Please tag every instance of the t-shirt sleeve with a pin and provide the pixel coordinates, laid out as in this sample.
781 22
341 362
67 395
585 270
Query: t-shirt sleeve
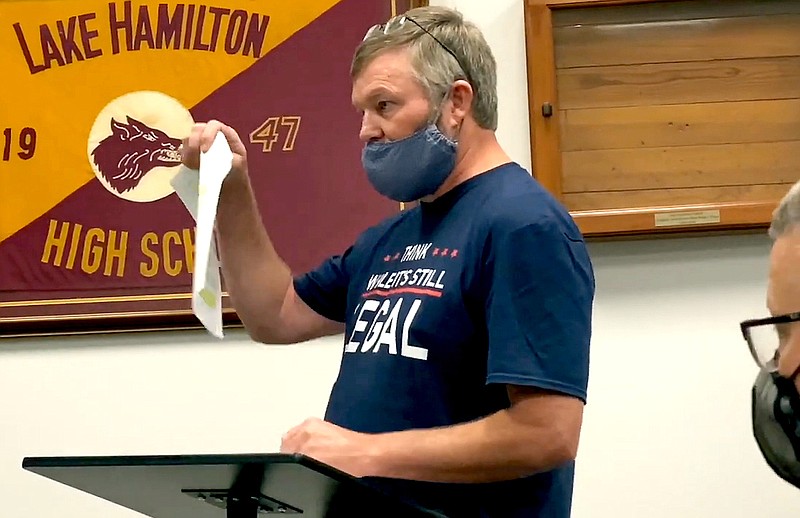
324 289
538 308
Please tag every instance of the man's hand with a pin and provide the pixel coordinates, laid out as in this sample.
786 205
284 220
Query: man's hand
202 137
343 449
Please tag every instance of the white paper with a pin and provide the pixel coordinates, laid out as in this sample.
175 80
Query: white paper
199 191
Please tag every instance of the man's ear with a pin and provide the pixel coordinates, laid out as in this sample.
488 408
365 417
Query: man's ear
461 96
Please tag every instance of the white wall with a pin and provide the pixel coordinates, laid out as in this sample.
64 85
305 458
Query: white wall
666 433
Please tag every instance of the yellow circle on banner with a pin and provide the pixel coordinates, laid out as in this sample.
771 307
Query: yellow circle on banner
133 145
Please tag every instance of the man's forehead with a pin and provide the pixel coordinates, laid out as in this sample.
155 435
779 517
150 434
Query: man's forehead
390 69
395 60
784 273
787 246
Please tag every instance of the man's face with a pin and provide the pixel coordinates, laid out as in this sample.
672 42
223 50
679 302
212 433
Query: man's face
393 103
783 296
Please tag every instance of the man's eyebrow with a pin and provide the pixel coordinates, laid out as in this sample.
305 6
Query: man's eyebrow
373 94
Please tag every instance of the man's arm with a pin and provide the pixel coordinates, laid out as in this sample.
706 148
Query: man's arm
258 280
538 432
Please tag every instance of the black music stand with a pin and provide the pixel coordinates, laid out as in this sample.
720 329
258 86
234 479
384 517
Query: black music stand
224 486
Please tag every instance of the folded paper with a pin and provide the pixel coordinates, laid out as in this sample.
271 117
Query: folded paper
199 191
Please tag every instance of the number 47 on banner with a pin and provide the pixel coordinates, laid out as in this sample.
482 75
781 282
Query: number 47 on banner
270 130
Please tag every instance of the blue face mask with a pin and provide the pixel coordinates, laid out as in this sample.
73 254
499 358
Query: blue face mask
410 168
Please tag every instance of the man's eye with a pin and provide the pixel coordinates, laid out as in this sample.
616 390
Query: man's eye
383 106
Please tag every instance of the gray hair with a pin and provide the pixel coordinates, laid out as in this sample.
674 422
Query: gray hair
435 68
787 215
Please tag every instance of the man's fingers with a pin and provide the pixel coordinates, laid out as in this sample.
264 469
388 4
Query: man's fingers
190 148
293 440
202 137
209 133
290 436
286 447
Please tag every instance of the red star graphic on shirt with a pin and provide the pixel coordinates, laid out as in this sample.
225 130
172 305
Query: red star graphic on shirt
435 251
444 252
396 256
454 253
387 258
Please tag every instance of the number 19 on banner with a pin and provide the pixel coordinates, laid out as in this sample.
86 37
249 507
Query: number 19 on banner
22 142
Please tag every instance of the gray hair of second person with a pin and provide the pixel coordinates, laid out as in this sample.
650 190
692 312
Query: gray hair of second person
787 215
434 67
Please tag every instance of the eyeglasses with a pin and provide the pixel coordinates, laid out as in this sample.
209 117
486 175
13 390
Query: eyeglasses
766 336
398 21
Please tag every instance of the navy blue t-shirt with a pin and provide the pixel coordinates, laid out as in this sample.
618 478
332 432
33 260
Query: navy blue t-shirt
446 303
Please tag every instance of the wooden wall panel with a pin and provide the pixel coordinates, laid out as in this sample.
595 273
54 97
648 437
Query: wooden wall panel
672 197
644 112
633 12
679 83
587 45
680 125
681 167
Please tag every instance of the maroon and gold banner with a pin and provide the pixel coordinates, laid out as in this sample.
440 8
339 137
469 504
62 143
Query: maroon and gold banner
96 99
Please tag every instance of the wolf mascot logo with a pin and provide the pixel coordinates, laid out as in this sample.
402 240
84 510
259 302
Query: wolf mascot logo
133 145
131 151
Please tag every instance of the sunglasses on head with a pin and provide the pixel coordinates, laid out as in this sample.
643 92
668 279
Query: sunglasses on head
397 22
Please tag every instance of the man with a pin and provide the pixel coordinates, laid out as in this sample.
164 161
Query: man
775 345
466 319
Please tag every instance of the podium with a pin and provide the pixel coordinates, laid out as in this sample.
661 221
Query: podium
225 486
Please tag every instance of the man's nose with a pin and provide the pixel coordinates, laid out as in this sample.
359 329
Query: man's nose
369 130
789 359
